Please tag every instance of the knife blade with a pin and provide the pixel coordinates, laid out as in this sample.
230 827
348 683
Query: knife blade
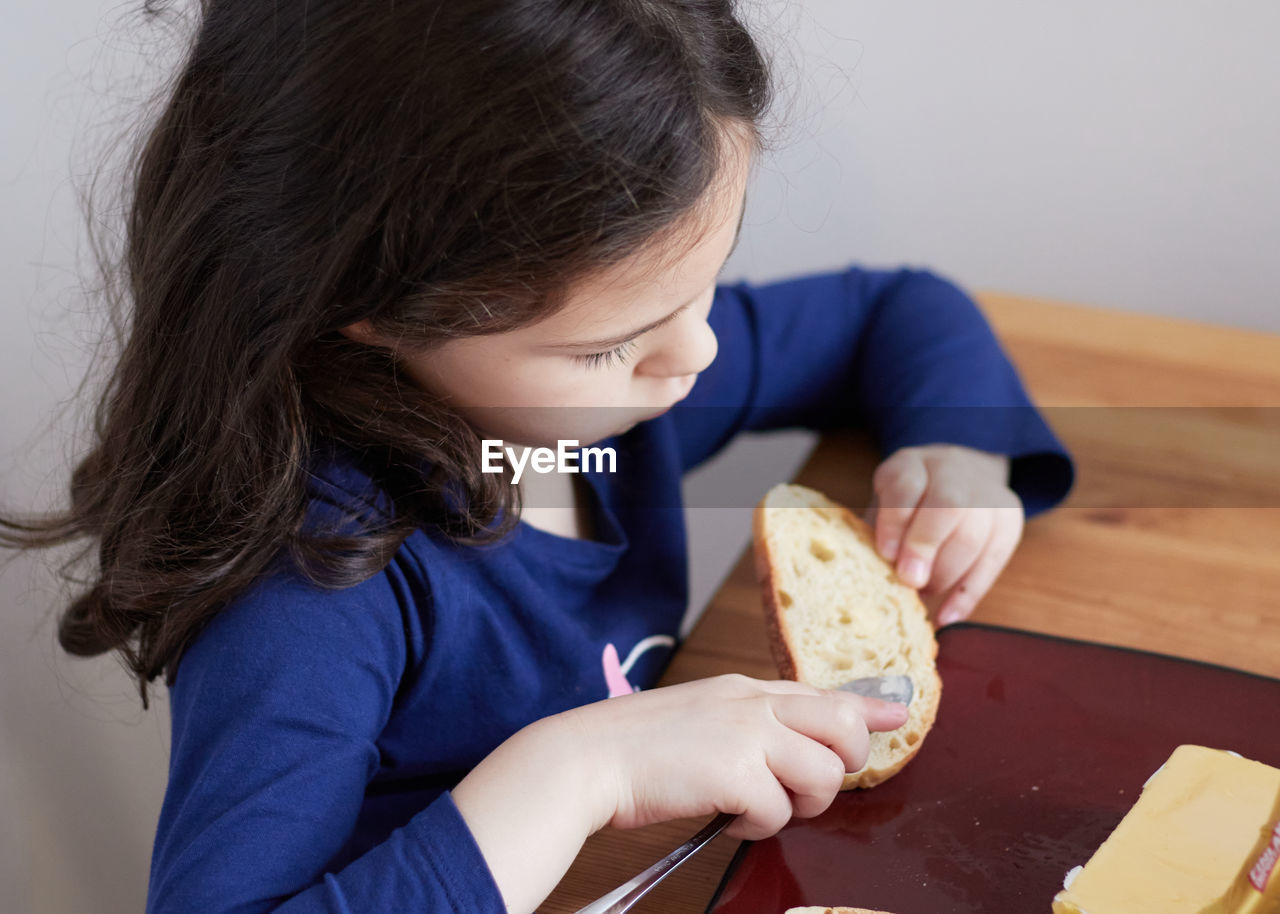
895 687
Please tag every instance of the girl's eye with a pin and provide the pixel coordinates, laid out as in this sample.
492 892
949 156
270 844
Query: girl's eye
618 355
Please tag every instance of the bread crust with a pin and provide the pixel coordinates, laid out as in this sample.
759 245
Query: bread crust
784 652
779 644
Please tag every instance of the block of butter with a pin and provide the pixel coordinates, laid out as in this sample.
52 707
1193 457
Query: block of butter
1189 843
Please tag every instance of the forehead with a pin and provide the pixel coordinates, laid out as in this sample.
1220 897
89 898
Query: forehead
660 276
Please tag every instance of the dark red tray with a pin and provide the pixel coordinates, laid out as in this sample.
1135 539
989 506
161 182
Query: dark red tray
1041 746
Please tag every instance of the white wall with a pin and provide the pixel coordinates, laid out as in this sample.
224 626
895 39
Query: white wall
82 769
1117 153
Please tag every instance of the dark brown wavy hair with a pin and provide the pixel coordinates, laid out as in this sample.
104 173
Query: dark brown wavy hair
440 168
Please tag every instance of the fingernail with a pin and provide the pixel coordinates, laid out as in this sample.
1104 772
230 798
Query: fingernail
914 572
890 550
947 616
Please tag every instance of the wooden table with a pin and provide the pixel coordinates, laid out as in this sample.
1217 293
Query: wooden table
1169 542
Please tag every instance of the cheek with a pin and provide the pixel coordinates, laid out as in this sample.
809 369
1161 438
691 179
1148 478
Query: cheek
557 382
516 381
480 379
560 382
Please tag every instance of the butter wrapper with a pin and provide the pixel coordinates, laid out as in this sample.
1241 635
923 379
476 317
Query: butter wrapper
1257 889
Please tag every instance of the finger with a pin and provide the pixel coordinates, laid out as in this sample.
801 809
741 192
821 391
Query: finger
811 773
940 511
880 715
747 687
876 713
961 550
737 685
973 586
763 808
930 527
899 483
933 603
869 708
834 719
869 515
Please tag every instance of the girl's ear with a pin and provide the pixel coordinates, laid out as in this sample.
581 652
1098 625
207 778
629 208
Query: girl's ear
362 332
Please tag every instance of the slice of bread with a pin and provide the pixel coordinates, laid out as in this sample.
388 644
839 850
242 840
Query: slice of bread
835 610
822 910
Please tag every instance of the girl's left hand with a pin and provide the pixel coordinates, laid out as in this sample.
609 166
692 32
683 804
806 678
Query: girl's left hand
946 517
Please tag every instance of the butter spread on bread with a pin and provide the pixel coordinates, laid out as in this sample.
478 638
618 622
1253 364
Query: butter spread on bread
835 610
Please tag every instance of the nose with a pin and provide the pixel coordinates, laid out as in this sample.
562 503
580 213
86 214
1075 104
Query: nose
686 346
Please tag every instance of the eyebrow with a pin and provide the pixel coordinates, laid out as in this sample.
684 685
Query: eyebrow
596 345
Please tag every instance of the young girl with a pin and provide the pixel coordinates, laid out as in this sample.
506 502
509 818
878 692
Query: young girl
368 238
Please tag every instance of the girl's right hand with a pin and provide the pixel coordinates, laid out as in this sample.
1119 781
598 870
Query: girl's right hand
764 750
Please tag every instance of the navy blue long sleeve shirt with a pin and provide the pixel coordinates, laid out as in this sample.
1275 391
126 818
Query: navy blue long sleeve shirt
317 733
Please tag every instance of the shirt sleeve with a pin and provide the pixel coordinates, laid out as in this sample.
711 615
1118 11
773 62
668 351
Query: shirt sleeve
276 709
904 353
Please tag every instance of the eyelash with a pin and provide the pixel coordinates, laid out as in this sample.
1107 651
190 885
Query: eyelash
619 354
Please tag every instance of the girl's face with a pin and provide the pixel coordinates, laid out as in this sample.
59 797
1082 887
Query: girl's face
627 346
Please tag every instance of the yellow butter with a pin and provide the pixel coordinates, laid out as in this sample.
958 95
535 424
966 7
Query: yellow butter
1183 843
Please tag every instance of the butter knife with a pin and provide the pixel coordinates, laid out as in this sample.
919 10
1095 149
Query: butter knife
894 687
